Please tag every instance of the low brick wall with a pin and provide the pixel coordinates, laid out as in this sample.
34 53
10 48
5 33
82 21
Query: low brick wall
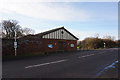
7 47
34 44
25 46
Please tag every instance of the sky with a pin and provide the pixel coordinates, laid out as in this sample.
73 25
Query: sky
83 19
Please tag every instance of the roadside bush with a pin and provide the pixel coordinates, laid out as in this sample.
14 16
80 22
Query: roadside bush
97 43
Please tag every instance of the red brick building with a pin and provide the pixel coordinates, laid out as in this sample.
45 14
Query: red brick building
59 39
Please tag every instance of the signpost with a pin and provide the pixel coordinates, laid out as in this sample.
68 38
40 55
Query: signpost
15 43
104 44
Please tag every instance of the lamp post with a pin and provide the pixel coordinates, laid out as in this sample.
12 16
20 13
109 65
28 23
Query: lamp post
15 43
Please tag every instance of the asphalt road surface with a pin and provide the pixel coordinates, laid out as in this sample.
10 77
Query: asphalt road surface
83 64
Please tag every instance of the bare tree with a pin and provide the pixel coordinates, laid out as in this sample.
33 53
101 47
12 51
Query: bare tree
109 37
27 31
97 35
2 34
9 27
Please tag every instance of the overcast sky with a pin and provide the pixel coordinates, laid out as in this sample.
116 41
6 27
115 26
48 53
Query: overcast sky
83 19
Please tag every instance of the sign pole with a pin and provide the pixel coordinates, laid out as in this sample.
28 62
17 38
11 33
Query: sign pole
104 45
15 43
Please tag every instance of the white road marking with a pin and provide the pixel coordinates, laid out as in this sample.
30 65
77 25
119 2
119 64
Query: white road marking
86 55
79 57
37 65
92 54
102 52
83 56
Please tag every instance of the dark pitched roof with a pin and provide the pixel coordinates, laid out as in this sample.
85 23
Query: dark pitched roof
47 32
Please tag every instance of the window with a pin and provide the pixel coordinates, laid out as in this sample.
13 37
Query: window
72 45
65 44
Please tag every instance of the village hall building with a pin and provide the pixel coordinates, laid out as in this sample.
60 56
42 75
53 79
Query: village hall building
59 39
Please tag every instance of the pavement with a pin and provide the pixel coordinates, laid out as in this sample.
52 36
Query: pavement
111 71
81 64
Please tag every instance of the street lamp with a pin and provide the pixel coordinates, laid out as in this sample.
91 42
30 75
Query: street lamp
15 43
104 44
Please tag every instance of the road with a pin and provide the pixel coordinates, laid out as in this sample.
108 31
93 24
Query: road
83 64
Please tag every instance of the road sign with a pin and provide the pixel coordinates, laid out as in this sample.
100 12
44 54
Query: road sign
104 44
15 44
50 45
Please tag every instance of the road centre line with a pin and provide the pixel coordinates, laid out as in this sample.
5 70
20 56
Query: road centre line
37 65
86 55
101 52
92 54
83 56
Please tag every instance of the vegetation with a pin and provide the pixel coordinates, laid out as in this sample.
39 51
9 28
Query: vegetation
10 26
98 43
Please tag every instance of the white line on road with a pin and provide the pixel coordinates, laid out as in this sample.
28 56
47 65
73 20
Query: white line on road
79 57
92 54
83 56
37 65
86 55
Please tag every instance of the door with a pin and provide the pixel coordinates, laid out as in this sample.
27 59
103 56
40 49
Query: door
60 46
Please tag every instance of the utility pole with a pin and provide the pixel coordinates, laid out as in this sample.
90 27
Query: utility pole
15 43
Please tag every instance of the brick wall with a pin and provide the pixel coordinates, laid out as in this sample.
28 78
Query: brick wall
34 44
